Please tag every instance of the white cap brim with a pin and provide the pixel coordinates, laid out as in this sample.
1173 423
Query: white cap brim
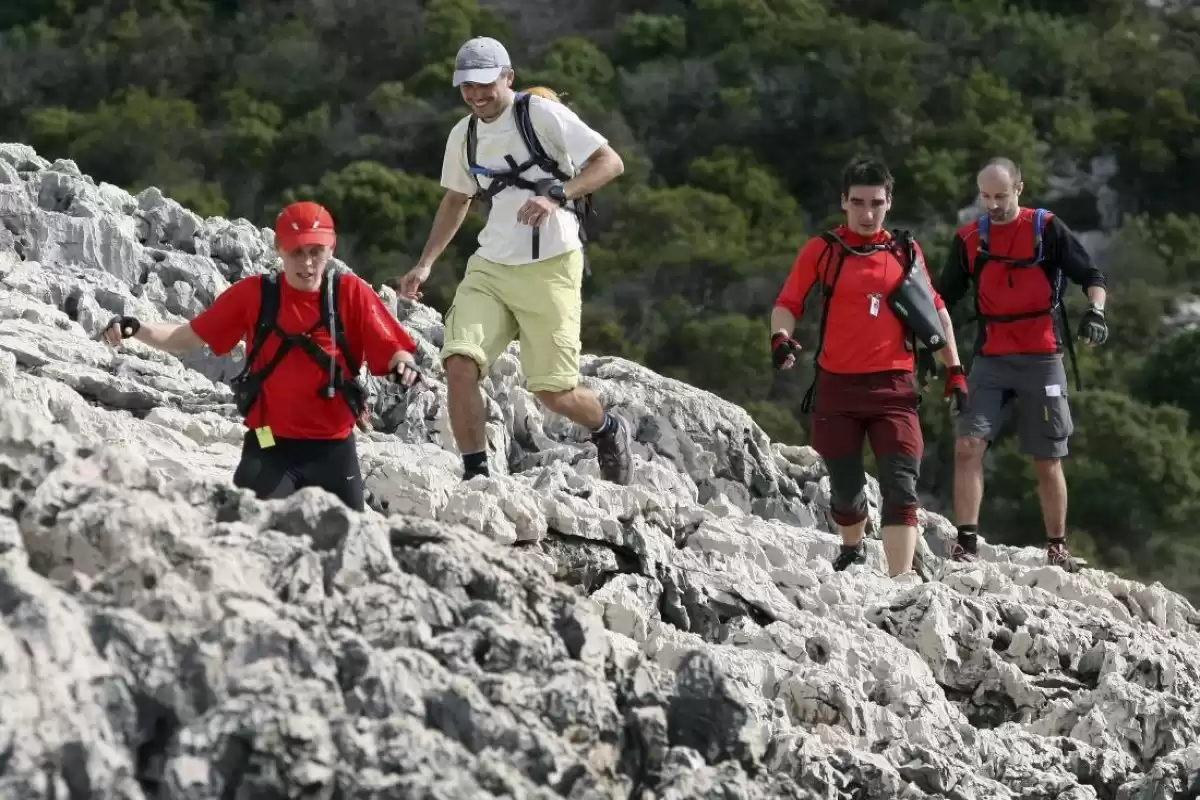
485 75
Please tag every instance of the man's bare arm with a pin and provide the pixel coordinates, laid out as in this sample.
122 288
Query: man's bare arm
169 337
604 166
782 321
949 353
449 218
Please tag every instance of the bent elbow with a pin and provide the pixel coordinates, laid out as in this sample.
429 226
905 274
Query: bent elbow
455 200
618 164
184 339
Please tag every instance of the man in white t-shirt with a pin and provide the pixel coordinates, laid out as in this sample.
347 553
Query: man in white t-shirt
525 279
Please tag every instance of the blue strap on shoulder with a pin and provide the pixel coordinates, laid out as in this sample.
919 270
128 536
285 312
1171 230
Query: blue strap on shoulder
1039 225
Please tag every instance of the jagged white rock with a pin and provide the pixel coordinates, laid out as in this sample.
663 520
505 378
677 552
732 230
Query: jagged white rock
538 634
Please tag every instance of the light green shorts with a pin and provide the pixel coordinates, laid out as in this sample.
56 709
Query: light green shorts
538 304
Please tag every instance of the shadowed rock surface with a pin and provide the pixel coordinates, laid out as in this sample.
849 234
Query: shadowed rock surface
534 635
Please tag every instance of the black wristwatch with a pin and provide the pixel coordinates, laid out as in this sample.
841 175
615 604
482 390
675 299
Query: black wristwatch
555 191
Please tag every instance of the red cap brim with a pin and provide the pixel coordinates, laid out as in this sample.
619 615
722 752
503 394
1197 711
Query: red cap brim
304 238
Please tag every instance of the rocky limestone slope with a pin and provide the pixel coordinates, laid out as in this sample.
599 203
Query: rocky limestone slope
539 634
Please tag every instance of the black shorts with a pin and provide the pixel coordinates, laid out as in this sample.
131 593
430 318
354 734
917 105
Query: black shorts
292 464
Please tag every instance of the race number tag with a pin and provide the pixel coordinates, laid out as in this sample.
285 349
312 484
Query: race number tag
875 303
265 437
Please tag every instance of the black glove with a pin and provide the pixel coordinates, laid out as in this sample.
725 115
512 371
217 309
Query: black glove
129 325
1092 327
405 373
783 346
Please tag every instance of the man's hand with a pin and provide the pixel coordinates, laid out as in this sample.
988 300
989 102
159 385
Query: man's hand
410 284
119 328
956 388
784 350
1093 330
536 211
403 370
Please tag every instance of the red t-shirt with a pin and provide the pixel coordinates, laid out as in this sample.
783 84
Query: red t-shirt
862 334
289 401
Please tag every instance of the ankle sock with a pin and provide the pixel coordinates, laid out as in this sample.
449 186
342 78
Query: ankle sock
1060 541
475 463
606 427
966 537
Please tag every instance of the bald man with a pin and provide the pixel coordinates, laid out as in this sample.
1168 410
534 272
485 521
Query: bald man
1017 277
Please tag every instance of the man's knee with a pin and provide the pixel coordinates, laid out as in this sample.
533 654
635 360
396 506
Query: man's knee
462 368
1047 468
847 489
555 400
898 489
969 449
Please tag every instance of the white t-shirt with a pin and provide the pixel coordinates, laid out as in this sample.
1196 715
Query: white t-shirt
564 137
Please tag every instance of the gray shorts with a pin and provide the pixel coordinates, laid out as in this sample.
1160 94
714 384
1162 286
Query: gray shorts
1038 386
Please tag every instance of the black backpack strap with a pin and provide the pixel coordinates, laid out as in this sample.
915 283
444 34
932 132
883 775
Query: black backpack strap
530 138
247 384
581 207
331 320
329 313
473 150
512 177
339 381
268 311
831 241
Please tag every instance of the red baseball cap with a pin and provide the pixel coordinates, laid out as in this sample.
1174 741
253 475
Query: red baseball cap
304 223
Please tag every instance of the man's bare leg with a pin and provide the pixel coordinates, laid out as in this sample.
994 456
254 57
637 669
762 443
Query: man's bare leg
610 433
580 405
468 421
899 547
1052 491
852 535
968 479
968 495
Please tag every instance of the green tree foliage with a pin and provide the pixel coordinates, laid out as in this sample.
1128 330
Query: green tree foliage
734 118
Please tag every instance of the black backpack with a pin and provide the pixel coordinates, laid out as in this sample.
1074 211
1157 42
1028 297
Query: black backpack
247 385
581 207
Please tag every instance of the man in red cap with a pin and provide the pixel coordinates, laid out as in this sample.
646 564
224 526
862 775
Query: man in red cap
308 329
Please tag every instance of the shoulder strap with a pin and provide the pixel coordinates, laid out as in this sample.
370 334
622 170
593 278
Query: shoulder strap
529 136
906 246
331 319
268 311
831 241
1039 226
473 149
984 224
472 142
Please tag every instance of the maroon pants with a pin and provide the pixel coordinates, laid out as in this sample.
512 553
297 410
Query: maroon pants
880 407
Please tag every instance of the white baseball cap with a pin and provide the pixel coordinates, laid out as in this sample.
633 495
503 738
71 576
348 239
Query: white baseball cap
480 60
